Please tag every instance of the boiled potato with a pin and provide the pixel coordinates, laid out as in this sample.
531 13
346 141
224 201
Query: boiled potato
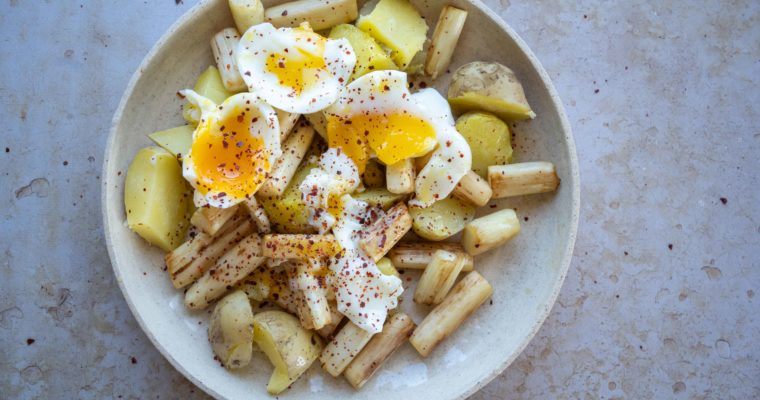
175 140
374 175
379 198
288 213
157 198
230 330
369 55
489 139
441 220
488 86
397 25
209 84
291 348
385 265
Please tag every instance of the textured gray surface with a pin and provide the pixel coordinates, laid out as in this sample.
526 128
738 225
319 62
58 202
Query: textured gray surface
659 301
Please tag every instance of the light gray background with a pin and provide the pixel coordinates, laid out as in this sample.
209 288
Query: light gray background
663 97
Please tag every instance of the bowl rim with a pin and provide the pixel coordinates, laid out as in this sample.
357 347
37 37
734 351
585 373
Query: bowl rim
574 172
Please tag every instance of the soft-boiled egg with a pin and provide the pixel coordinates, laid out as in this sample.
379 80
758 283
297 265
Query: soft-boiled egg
377 116
363 293
233 148
294 69
451 160
323 188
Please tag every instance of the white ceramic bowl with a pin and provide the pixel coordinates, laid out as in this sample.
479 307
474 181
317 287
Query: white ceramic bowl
526 274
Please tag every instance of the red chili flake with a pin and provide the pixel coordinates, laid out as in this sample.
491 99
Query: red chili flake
134 360
724 200
670 246
29 341
65 163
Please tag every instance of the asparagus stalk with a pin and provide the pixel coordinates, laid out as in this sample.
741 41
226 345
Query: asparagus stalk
522 178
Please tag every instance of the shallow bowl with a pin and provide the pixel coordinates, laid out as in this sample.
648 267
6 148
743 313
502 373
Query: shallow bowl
526 274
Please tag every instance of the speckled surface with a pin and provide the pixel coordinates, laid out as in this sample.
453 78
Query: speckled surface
660 298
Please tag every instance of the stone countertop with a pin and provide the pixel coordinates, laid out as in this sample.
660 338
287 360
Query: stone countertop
660 298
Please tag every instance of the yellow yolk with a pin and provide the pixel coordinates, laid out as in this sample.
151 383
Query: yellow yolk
335 206
227 158
393 137
296 68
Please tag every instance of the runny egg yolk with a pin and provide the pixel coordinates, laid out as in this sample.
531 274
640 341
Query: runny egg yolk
393 137
227 158
297 68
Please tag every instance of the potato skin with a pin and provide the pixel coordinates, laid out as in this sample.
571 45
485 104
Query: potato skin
441 220
230 330
157 198
489 139
488 86
291 348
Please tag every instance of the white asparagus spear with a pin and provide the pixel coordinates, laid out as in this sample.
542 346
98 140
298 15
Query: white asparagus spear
438 278
464 299
293 151
399 177
300 246
473 189
320 14
211 219
246 13
384 233
336 318
224 46
395 332
258 215
210 255
310 280
485 233
418 255
229 270
192 248
444 41
319 122
343 348
287 122
522 178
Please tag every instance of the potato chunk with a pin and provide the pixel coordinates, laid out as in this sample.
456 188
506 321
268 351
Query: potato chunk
230 330
157 198
369 55
291 348
489 139
175 140
210 85
488 86
441 220
379 198
397 25
288 213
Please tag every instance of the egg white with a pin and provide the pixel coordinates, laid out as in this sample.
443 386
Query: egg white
266 128
264 40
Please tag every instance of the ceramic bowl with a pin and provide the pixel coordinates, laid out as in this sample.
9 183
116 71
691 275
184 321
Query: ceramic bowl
526 273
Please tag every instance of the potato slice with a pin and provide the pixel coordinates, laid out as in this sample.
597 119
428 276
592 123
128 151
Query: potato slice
379 198
291 348
288 213
174 140
369 55
157 198
488 86
489 139
397 25
230 330
441 220
209 85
